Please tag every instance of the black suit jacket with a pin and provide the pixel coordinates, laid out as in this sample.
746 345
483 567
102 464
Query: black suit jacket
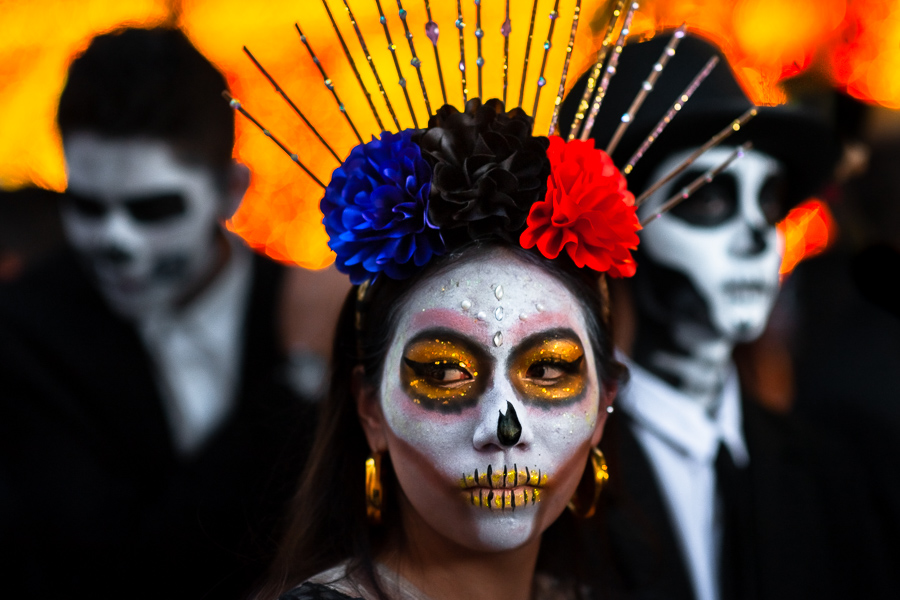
814 537
93 497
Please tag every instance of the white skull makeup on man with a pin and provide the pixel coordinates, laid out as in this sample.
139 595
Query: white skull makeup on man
145 222
710 267
695 455
724 238
490 397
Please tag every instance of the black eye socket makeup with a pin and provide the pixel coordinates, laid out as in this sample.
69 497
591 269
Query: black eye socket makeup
157 208
548 368
443 372
773 199
711 205
85 206
144 209
717 201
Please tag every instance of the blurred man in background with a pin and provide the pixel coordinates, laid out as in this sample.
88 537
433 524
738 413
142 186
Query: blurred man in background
710 497
144 415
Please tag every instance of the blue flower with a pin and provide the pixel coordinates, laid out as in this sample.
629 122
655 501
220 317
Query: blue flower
375 210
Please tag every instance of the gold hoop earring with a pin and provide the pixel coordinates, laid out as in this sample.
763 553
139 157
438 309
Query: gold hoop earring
584 503
374 493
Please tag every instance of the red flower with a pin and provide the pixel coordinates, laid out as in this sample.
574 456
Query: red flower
587 210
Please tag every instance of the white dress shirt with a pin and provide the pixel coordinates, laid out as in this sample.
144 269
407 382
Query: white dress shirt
198 351
682 441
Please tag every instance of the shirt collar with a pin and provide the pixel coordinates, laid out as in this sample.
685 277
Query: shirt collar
217 312
198 351
680 421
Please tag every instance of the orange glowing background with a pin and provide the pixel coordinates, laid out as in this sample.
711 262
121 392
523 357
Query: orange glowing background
858 42
279 215
765 40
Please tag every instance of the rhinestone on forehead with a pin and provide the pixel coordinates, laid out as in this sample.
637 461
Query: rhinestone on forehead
498 339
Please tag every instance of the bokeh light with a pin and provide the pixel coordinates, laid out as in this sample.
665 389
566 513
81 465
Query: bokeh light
279 215
865 57
765 40
808 230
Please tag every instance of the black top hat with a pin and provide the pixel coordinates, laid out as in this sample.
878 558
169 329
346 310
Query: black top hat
799 138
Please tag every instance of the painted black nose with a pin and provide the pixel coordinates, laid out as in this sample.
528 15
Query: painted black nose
509 430
114 255
758 243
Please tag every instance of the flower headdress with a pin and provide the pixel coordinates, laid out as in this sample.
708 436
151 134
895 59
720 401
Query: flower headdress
403 198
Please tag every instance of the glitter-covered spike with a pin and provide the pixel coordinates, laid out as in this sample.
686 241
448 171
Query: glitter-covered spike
460 26
554 118
646 87
236 105
594 76
353 65
479 33
697 183
670 114
415 62
712 143
505 30
527 52
393 49
554 15
365 50
608 74
328 83
432 32
291 104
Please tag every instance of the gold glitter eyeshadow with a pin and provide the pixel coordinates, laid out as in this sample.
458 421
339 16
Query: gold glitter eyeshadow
440 374
550 371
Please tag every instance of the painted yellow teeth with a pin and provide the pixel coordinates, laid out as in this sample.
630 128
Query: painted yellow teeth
506 489
504 499
507 478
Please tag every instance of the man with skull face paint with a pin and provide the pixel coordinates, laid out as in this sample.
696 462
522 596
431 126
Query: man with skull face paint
710 498
139 369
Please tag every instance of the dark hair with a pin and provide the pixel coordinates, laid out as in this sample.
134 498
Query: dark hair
327 524
150 83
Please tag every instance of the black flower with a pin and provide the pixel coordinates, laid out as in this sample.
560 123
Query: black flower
488 171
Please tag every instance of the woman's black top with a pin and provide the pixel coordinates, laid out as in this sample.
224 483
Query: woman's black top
315 591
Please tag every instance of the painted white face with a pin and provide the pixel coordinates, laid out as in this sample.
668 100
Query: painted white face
491 398
144 221
723 238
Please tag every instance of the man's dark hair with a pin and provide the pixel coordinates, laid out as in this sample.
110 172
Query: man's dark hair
150 83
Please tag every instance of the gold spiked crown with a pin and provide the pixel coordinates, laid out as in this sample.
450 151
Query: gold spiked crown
478 173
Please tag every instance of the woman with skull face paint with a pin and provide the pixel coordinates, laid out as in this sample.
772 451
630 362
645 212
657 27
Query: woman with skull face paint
473 361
